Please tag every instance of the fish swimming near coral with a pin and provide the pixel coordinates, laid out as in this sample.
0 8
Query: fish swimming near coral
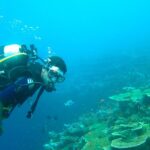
69 103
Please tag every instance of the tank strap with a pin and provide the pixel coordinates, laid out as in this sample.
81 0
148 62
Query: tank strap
12 56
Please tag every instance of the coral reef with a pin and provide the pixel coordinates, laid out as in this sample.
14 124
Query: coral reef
122 123
130 136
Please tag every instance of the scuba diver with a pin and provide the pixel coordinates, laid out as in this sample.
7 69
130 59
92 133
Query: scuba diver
22 73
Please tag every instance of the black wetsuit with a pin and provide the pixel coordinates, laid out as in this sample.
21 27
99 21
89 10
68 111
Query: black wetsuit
34 74
17 92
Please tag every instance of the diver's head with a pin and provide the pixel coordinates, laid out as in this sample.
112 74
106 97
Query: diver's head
53 72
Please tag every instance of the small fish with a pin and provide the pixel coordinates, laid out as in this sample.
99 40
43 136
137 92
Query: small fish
37 37
52 117
69 103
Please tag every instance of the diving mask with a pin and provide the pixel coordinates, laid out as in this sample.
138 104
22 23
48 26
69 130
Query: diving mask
56 74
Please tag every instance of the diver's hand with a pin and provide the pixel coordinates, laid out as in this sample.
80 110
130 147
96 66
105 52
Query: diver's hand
50 87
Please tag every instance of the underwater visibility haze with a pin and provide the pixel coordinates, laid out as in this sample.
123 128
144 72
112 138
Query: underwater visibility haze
106 46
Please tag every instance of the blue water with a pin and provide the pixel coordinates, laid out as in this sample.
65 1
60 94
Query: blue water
100 40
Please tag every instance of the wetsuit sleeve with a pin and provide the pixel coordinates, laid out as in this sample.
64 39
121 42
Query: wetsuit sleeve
24 90
16 93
